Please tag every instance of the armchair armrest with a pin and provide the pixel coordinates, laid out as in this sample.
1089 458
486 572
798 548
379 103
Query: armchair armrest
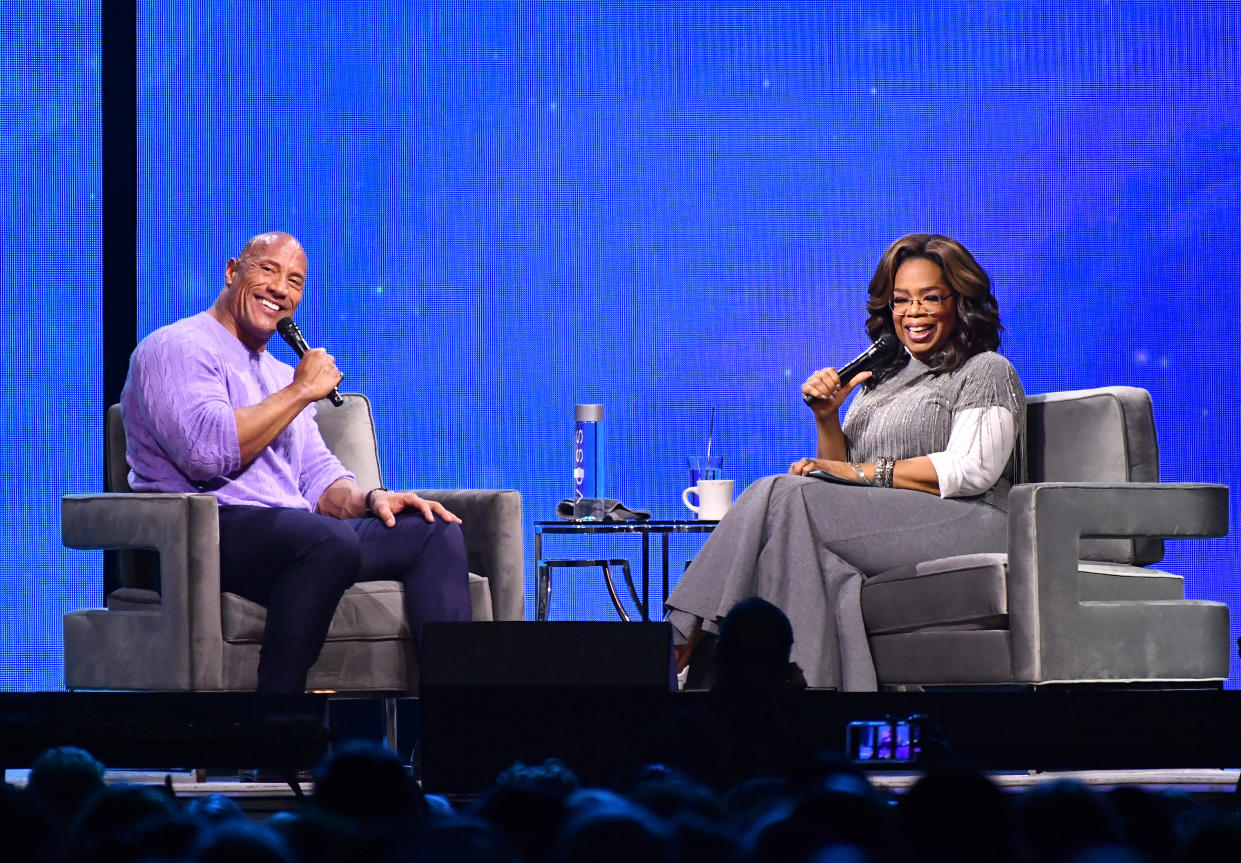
131 519
1056 515
1046 522
184 530
492 526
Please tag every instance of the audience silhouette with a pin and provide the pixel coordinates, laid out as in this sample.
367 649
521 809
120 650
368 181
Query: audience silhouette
954 815
736 786
366 808
748 725
64 778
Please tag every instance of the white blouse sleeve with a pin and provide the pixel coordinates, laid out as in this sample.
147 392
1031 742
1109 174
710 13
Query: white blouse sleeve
978 449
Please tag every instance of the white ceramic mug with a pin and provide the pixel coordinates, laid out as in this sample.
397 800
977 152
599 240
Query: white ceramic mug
715 496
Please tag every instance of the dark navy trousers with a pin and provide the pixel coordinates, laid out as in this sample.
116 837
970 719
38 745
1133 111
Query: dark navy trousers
298 564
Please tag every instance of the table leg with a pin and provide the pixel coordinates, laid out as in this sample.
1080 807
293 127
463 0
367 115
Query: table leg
544 591
607 576
664 540
646 576
543 585
633 591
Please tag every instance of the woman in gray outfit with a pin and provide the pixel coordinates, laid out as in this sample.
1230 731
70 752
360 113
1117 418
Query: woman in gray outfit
928 451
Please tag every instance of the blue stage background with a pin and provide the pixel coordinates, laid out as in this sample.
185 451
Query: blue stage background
510 208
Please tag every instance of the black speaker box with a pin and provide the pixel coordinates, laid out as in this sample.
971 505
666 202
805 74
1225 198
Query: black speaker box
496 693
519 653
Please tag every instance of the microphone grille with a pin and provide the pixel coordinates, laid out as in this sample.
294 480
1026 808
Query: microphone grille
287 329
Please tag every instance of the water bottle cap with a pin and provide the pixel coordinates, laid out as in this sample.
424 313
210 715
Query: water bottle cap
588 413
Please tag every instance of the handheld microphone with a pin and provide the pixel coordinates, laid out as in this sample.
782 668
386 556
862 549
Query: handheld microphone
865 361
293 338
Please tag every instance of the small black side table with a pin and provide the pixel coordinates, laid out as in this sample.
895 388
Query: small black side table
644 529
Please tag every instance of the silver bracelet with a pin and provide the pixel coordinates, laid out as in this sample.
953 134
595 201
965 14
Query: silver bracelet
883 471
857 467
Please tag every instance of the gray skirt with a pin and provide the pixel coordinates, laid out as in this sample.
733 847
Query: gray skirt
806 546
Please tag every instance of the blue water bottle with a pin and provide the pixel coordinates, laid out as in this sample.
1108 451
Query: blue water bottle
588 463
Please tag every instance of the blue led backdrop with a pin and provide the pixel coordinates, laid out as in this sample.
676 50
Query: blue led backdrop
668 208
51 353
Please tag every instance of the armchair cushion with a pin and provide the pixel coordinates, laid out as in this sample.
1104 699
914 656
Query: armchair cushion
369 611
133 599
970 591
349 432
967 592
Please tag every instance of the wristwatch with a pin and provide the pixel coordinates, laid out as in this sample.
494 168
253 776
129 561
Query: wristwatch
370 496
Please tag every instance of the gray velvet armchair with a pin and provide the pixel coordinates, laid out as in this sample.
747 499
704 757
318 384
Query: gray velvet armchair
170 628
1075 599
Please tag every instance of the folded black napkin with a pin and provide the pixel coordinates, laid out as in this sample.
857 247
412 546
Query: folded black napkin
613 510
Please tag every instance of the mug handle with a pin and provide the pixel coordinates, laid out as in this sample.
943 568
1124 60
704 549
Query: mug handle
685 498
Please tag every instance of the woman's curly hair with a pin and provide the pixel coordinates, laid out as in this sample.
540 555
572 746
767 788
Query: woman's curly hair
978 314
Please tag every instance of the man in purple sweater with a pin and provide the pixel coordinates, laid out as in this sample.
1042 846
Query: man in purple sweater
207 409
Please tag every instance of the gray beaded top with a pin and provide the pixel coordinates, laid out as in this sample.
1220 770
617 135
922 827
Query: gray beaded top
911 413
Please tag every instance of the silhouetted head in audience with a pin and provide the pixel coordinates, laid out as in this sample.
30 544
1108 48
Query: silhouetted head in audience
696 840
365 782
459 839
319 836
957 816
753 645
668 792
215 809
64 778
170 837
438 806
116 819
606 828
529 805
551 774
363 800
752 800
241 842
749 726
1060 819
825 818
699 825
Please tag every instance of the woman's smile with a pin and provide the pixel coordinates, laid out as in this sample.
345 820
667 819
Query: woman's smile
923 307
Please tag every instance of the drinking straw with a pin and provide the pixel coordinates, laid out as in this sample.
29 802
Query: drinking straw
710 434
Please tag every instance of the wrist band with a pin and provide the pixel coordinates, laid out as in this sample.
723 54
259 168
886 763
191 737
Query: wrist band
370 496
857 467
883 471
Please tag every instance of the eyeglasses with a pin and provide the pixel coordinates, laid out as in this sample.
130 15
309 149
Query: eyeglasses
931 303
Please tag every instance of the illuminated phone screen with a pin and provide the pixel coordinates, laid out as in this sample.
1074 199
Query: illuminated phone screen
881 741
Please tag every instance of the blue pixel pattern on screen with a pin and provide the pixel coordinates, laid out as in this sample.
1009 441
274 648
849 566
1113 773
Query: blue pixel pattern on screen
511 208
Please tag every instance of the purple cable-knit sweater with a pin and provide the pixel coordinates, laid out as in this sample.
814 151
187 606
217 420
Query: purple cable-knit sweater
184 382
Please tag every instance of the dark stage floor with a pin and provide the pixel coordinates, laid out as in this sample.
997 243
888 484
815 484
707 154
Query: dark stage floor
466 734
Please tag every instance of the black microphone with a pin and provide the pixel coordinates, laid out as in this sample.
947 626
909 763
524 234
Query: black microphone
863 362
293 338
